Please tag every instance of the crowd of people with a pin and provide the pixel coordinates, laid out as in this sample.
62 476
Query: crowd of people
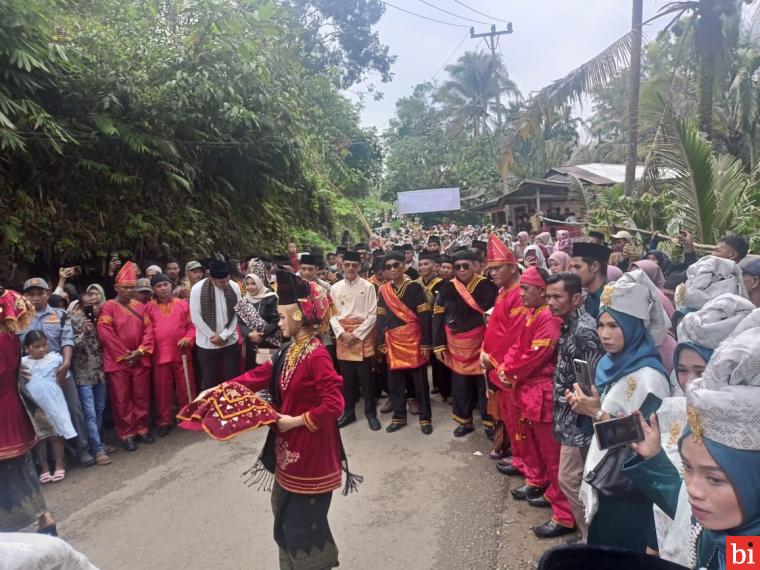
549 340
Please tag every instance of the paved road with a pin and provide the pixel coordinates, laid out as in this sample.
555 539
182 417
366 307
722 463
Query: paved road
428 502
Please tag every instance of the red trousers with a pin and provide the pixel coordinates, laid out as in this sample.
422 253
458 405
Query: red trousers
509 414
169 379
129 391
541 460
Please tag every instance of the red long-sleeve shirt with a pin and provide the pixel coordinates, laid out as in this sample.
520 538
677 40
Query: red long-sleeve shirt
171 323
123 329
308 457
529 364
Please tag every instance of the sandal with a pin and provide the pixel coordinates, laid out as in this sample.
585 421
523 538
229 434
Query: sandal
102 458
108 448
59 475
49 530
46 477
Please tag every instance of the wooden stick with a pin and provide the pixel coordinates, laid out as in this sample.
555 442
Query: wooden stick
665 237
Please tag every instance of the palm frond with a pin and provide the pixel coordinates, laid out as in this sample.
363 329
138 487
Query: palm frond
730 186
550 101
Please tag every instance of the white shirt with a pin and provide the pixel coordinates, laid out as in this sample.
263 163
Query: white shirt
354 299
203 332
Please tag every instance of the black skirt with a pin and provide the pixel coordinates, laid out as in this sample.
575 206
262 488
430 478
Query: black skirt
21 500
301 530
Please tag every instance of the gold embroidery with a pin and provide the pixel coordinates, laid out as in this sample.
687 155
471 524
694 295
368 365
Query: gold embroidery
607 293
692 418
423 307
297 352
284 456
631 388
675 432
439 310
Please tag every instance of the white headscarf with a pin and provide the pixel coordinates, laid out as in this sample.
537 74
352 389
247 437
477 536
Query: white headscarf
540 259
263 291
713 323
709 277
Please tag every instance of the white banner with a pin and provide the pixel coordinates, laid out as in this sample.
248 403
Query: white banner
431 200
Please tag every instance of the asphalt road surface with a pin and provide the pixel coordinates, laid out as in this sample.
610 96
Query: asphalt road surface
427 502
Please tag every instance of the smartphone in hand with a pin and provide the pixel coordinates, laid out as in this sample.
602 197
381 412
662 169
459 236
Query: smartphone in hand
618 432
583 376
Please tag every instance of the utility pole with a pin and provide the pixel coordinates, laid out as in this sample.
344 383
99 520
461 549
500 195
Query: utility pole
634 82
490 39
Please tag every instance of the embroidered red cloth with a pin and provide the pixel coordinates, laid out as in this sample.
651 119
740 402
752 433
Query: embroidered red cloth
228 410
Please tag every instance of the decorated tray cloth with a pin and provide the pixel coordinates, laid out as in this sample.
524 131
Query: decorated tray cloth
228 410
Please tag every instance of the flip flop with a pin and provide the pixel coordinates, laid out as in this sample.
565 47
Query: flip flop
59 475
102 458
46 477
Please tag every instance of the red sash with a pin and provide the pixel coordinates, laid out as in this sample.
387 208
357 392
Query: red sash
467 296
403 343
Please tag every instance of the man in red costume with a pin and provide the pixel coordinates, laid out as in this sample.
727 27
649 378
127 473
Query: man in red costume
126 334
502 330
529 368
172 364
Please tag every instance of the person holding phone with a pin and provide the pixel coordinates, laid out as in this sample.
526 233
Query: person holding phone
630 325
578 341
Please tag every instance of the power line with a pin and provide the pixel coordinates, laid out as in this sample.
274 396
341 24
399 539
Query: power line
423 17
481 13
452 13
450 56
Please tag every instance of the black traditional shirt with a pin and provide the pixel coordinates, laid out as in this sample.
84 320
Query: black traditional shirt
578 340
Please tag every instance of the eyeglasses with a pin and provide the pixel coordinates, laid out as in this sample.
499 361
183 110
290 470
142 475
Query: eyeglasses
462 266
394 265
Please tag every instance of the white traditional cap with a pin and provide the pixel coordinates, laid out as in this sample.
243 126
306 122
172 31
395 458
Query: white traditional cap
634 294
751 321
736 361
724 405
709 277
714 323
729 415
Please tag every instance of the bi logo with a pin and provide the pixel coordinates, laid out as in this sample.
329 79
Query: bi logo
743 552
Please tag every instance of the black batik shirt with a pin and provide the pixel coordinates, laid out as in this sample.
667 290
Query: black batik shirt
578 340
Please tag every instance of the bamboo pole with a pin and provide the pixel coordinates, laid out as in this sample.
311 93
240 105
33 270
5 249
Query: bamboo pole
648 232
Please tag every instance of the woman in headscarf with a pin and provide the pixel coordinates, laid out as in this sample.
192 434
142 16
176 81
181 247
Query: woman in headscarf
629 377
559 261
661 259
257 311
653 271
523 241
534 257
701 333
544 241
563 244
613 273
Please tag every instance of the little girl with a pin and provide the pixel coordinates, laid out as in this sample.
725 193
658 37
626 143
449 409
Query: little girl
47 394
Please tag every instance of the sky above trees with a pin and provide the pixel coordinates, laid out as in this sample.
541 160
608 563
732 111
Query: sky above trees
550 38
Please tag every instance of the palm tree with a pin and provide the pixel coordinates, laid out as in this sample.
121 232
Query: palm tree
475 82
634 83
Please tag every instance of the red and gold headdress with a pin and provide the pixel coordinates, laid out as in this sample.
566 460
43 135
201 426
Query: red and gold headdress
16 312
314 301
498 253
127 275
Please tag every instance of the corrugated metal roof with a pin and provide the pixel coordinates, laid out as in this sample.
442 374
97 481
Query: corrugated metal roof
603 174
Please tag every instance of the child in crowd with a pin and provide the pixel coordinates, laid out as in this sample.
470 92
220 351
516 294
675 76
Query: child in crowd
47 394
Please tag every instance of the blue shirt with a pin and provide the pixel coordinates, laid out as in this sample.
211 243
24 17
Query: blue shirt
56 325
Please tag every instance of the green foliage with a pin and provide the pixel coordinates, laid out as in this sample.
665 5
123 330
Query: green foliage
181 128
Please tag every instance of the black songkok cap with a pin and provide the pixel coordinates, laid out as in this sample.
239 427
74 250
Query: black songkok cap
397 248
394 256
219 269
594 251
444 259
407 247
378 265
378 253
431 255
434 239
281 260
597 235
479 244
160 278
341 249
361 246
352 256
290 288
466 254
309 259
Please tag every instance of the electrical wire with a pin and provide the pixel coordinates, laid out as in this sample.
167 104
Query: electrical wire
481 13
450 56
424 17
453 14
